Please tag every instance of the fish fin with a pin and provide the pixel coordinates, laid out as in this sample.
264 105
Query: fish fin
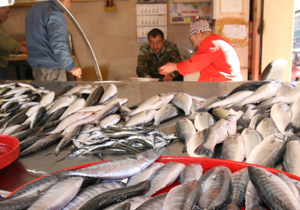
184 149
201 150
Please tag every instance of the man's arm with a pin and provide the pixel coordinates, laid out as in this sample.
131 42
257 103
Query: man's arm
174 58
58 40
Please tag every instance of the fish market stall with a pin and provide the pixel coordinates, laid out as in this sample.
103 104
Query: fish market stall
78 125
45 161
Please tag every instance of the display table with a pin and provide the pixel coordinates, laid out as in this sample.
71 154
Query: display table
44 162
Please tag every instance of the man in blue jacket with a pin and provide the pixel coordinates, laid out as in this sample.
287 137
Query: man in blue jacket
47 42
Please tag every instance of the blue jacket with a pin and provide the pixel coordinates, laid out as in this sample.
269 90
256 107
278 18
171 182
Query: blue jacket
47 37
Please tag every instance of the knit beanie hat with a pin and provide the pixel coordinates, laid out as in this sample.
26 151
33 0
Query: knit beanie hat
199 25
5 3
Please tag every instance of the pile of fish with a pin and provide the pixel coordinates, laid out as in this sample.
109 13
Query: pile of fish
93 120
256 122
142 182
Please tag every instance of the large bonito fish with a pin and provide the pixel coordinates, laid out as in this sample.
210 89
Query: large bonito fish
119 168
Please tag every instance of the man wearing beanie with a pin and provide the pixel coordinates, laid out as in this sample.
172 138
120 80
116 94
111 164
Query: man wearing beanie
215 58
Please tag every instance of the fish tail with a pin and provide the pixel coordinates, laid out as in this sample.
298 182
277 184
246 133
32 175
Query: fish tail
184 149
201 150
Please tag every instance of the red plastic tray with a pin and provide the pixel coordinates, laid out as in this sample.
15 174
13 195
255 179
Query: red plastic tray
9 150
206 163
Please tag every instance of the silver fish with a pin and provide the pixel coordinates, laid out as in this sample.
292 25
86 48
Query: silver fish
203 120
210 100
78 104
217 133
272 189
183 101
197 139
266 127
59 194
268 151
281 114
134 202
291 183
119 168
40 185
191 172
165 113
165 176
142 117
110 92
69 120
264 92
215 188
146 174
77 88
183 196
19 202
232 99
252 198
90 192
251 139
61 102
110 120
153 102
245 119
47 99
239 181
295 122
154 203
291 156
233 148
185 130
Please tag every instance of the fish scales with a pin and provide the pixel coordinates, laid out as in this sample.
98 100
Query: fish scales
291 156
183 196
90 192
268 151
191 172
165 176
183 101
215 188
272 189
134 203
145 174
233 148
239 181
58 195
116 195
154 203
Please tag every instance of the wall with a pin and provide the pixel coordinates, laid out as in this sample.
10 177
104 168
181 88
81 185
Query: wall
112 35
278 33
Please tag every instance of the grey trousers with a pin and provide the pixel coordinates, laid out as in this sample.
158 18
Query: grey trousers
41 74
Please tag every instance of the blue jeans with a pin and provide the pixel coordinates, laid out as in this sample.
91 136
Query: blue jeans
3 73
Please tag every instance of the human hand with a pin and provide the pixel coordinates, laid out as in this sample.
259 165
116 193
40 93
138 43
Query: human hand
168 68
168 77
76 72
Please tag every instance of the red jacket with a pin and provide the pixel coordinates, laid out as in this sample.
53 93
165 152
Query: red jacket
215 59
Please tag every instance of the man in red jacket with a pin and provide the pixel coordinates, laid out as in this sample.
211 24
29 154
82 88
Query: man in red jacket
215 59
